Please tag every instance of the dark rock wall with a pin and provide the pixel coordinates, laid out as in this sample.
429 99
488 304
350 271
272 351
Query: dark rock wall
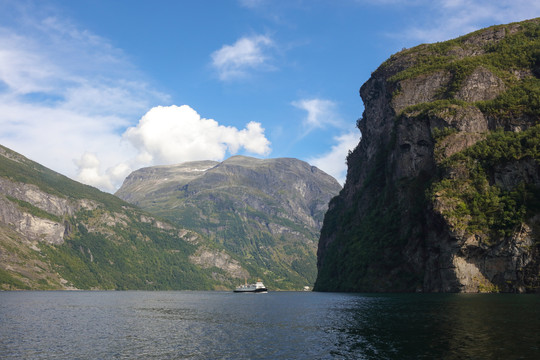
385 232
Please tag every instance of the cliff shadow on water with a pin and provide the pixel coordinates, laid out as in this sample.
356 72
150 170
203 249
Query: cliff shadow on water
443 190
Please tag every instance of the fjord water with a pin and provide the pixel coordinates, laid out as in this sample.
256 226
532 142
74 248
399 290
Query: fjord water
277 325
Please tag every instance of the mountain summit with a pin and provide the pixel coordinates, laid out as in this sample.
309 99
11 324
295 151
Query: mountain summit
267 213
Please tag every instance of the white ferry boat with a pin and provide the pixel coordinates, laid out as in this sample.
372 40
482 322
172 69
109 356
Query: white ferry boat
258 287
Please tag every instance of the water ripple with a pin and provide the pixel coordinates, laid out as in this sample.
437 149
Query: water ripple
288 325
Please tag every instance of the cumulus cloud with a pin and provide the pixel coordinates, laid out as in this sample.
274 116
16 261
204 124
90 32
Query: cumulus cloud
334 161
247 53
90 173
71 93
320 113
169 135
174 134
66 95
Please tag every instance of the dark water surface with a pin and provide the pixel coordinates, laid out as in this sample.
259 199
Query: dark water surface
277 325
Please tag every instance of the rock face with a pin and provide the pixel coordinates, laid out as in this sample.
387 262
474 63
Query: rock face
35 227
441 192
58 234
265 212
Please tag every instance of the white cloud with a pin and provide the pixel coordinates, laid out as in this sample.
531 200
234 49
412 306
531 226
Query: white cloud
247 53
174 134
59 86
447 19
167 135
66 95
89 171
320 113
333 162
61 139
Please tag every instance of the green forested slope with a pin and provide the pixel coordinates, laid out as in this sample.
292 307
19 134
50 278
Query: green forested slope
107 243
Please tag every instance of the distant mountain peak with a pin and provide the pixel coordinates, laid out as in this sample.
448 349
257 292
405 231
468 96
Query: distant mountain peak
266 213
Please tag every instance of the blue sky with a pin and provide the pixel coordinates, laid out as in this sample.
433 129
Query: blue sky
95 89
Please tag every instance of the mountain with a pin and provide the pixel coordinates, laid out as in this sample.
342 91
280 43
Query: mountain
266 213
56 233
443 191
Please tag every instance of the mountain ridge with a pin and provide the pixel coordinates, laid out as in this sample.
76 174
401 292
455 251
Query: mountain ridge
265 211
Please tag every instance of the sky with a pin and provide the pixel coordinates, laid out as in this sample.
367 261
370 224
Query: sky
95 89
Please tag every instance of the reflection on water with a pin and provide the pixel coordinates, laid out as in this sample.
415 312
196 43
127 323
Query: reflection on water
441 326
286 325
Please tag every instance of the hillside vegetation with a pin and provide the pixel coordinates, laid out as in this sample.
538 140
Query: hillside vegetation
56 233
266 213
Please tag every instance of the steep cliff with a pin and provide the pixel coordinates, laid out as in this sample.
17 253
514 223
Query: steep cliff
56 233
266 212
443 191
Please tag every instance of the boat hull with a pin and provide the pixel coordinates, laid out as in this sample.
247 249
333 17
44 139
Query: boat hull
260 290
258 287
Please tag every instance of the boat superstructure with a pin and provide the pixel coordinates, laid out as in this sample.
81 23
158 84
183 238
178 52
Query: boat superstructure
258 287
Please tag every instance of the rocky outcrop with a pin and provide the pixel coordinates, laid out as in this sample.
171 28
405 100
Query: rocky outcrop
36 227
47 202
423 88
32 227
221 260
480 85
433 201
